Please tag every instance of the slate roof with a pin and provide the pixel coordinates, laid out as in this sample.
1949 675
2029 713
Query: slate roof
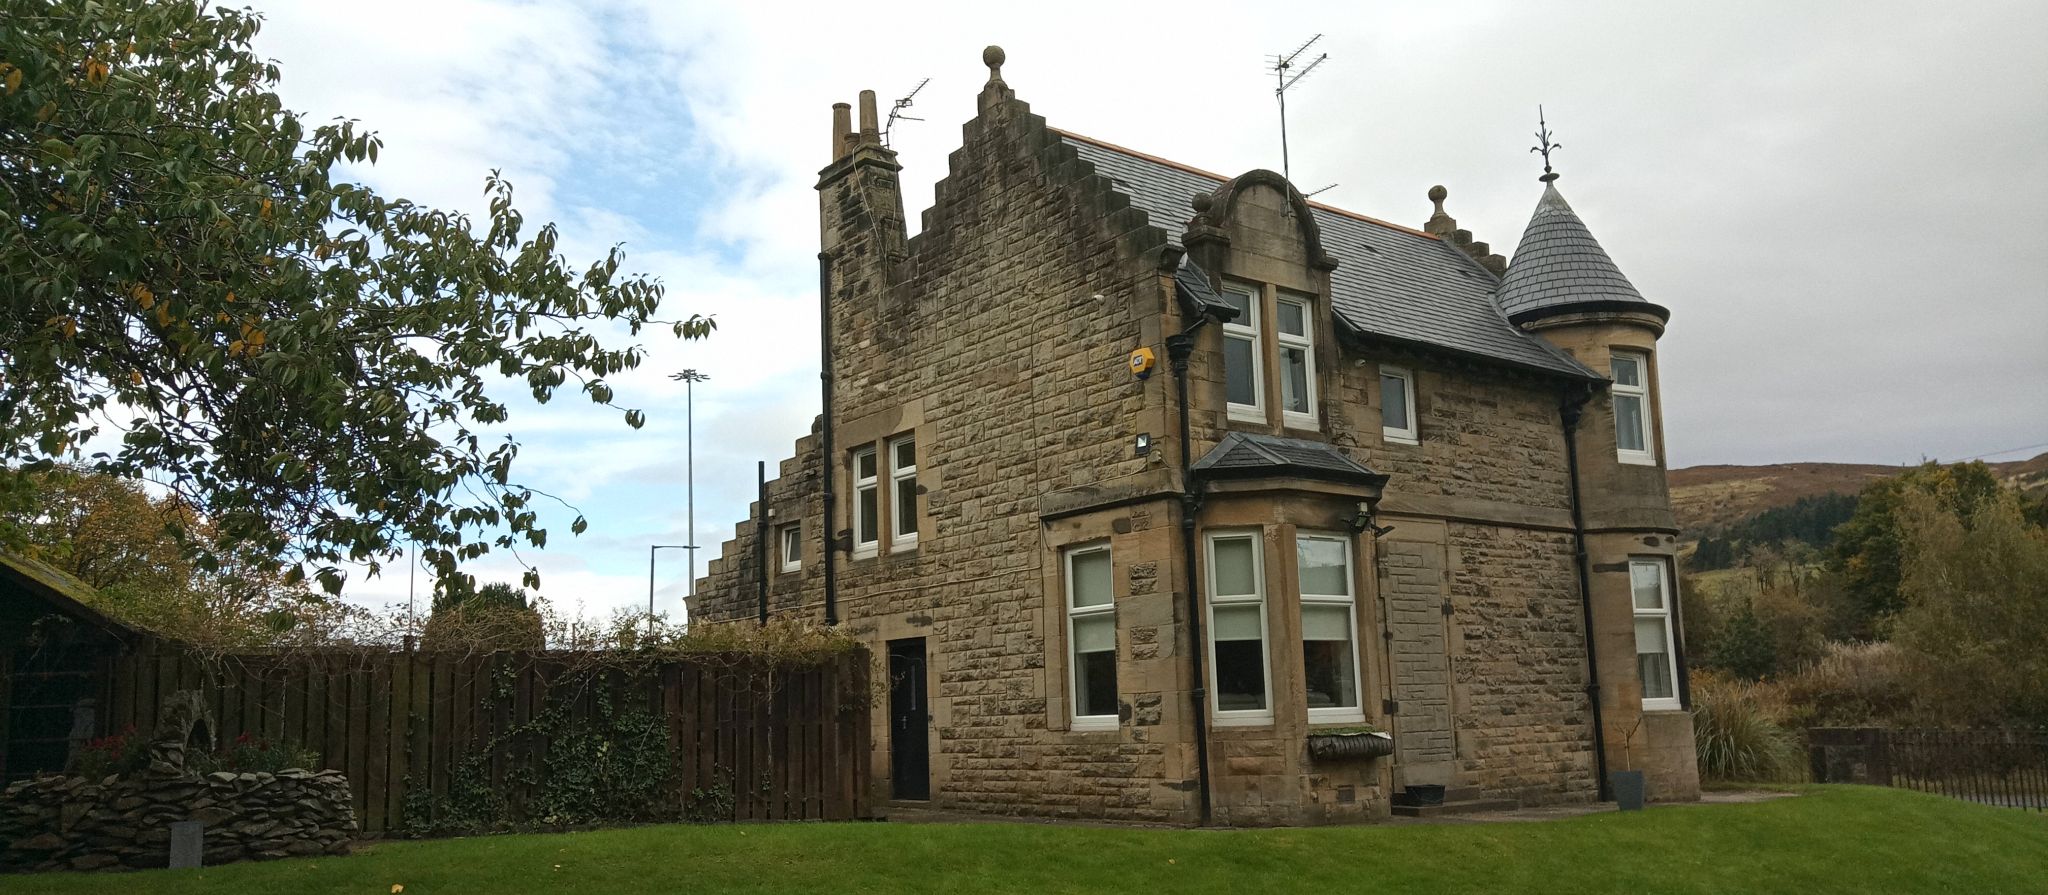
1241 455
1559 265
1391 282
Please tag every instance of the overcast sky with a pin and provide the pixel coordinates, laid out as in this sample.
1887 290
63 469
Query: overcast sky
1844 205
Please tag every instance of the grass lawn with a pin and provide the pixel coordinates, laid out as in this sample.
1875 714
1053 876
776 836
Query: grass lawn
1833 839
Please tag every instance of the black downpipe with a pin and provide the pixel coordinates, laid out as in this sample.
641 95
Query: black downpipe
827 459
1178 348
1570 409
761 534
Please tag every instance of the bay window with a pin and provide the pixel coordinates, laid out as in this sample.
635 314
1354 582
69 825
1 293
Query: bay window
1091 638
1631 391
1237 629
1329 641
1656 653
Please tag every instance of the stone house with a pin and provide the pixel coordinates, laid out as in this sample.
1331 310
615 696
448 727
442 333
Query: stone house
1142 481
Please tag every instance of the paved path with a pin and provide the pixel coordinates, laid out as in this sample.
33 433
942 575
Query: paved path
905 814
1578 809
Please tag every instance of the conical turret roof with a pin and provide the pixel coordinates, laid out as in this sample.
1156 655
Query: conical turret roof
1560 267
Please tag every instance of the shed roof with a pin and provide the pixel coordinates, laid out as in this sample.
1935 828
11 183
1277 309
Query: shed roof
60 591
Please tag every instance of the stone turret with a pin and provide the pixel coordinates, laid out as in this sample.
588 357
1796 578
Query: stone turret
1563 287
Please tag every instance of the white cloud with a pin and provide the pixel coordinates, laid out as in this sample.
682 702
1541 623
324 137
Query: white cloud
1845 213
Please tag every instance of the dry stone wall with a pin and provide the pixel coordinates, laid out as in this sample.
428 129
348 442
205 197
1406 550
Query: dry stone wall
123 822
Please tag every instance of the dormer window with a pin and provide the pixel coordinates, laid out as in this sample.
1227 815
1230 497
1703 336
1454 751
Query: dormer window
1632 441
1272 334
1242 383
1297 361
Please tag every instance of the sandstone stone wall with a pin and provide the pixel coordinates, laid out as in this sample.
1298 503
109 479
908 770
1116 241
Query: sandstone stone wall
123 822
998 341
1519 665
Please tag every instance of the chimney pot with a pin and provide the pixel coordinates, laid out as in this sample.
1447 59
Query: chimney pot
870 128
842 130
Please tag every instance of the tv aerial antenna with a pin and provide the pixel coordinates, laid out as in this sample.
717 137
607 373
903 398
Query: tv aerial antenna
896 111
1288 70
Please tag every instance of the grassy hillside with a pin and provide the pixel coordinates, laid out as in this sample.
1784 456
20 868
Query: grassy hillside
1705 497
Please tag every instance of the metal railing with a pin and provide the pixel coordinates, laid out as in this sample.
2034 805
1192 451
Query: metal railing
2006 768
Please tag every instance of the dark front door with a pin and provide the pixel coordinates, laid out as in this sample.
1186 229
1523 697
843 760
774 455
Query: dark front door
910 760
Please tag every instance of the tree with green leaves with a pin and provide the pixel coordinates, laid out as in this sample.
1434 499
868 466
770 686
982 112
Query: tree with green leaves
496 616
1975 587
1867 549
111 534
195 294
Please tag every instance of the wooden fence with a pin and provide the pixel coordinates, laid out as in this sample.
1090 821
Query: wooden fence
1993 767
746 741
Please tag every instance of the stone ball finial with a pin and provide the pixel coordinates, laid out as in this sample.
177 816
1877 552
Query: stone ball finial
993 57
1438 193
1202 202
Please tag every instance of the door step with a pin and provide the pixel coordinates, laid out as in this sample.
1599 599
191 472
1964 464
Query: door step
1461 806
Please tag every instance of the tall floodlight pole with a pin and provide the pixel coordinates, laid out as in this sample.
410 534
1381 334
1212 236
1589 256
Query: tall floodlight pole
650 578
690 378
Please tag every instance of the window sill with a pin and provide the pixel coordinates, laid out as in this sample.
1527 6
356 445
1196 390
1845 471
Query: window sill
1242 414
903 546
1634 459
1662 705
791 570
1303 422
1336 716
1392 437
867 552
1104 724
1261 719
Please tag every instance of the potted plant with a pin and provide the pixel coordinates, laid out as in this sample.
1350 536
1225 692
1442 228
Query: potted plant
1627 785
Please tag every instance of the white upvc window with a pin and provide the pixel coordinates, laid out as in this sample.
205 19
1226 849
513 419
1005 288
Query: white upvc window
1239 686
791 538
1292 329
867 509
1091 638
1397 406
1329 630
902 493
1656 650
1243 358
1633 442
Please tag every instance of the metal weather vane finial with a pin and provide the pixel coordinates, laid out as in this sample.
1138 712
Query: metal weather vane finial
1544 146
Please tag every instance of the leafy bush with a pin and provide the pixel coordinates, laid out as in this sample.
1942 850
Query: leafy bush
120 753
1737 732
1852 685
250 754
